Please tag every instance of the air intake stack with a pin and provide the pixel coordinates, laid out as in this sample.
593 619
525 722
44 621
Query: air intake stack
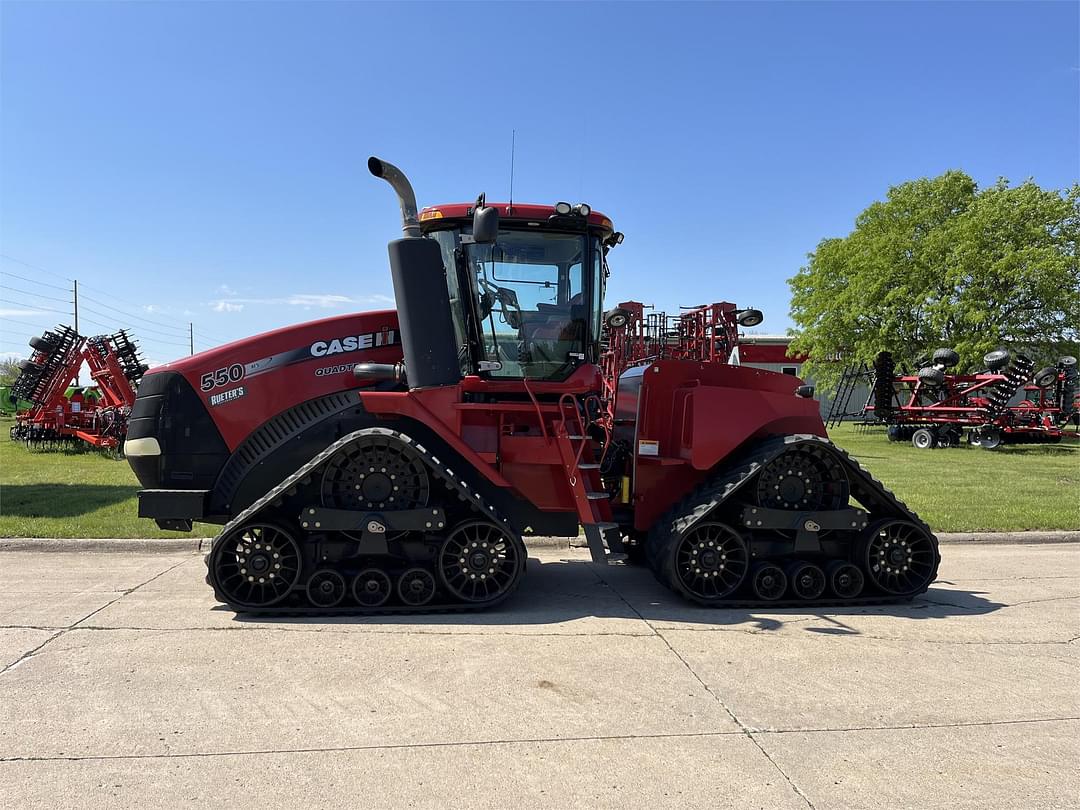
423 300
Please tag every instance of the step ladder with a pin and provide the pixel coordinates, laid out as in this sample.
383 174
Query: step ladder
849 381
583 474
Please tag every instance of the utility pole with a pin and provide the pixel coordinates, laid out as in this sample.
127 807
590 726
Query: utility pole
75 302
191 337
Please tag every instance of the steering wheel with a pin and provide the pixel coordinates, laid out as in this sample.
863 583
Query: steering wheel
511 308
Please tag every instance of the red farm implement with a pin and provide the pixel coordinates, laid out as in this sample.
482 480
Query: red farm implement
1008 402
59 418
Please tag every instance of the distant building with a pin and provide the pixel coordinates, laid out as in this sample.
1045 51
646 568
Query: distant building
769 352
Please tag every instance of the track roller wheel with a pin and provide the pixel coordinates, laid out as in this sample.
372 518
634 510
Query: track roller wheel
769 582
254 566
416 587
480 561
709 562
900 557
807 580
845 579
326 588
372 587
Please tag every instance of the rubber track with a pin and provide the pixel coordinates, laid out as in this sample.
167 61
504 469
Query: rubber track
441 472
866 489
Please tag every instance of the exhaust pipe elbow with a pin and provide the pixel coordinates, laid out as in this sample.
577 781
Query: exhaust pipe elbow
410 221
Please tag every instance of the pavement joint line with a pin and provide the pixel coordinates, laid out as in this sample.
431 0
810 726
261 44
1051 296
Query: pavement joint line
519 634
29 653
918 726
742 726
331 631
63 630
674 735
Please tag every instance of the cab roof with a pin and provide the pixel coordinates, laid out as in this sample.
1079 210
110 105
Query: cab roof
520 212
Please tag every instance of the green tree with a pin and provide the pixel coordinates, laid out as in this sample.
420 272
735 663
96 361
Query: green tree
941 263
9 371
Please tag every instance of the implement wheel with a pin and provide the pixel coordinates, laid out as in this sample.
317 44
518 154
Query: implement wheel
923 439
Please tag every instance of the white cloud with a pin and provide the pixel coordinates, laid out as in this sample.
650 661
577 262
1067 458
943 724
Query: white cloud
152 308
225 289
306 300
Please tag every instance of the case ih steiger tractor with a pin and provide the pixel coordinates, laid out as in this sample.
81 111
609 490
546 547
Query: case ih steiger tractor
392 461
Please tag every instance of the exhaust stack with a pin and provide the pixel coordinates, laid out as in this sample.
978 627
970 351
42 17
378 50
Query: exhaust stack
425 321
410 221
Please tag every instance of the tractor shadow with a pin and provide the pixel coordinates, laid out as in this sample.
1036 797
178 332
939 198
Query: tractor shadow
619 598
59 500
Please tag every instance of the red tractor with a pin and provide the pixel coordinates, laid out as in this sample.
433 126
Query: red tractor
392 461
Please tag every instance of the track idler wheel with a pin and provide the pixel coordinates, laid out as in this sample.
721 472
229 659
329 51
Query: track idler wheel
709 562
326 588
254 565
845 579
416 587
372 587
807 580
768 582
900 557
481 562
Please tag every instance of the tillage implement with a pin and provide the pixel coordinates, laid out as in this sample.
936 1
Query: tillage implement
392 461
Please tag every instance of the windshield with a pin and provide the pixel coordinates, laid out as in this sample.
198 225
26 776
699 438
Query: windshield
529 291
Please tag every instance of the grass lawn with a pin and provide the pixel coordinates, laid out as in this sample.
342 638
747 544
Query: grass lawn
966 488
88 494
78 493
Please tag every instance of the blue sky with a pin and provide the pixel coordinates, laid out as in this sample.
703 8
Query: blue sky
206 162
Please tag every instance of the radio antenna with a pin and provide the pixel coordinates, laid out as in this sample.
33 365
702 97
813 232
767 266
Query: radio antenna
513 139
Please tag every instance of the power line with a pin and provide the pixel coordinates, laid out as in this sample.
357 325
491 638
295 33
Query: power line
127 325
16 321
128 314
118 300
35 281
33 267
37 309
39 295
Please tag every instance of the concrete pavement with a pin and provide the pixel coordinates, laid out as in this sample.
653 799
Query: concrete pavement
123 685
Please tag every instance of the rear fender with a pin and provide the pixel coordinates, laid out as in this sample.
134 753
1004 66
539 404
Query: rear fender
701 413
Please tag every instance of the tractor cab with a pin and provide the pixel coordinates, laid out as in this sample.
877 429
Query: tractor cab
525 283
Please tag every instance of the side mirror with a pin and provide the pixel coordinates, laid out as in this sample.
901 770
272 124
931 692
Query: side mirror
485 225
